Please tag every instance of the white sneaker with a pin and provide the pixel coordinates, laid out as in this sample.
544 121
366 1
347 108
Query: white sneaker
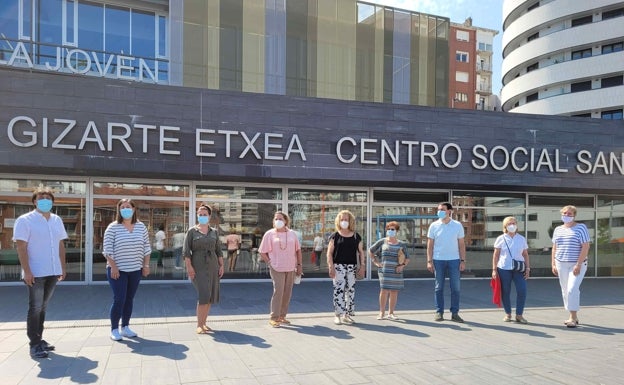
127 332
115 336
347 320
337 320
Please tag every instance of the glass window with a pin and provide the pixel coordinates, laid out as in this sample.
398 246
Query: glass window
312 220
610 236
170 216
249 220
615 47
162 36
91 26
461 57
238 192
581 21
462 35
461 76
117 27
613 81
611 115
9 13
70 9
15 200
143 34
581 86
27 16
326 195
532 97
613 13
580 54
49 16
144 189
414 221
546 209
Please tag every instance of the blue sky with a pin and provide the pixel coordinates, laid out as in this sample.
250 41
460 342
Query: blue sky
484 13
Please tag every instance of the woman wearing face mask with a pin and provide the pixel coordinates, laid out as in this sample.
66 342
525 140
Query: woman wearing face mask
204 264
127 251
281 251
345 260
510 247
569 260
385 255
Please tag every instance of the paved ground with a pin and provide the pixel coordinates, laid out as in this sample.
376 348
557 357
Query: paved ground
245 350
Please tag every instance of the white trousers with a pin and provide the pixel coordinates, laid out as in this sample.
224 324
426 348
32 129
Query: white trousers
570 284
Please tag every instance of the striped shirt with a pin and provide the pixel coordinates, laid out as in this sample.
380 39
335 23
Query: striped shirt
568 242
126 248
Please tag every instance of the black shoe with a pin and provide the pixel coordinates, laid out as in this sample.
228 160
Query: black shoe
38 352
455 317
46 346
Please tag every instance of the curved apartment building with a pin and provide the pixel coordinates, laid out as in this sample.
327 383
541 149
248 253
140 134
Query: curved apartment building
563 57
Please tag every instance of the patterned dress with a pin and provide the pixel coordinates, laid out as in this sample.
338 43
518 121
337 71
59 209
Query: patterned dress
389 254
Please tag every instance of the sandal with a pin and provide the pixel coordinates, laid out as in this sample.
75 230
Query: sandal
381 316
571 323
207 329
201 330
520 319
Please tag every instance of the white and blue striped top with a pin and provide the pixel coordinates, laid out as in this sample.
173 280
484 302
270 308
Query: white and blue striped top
568 242
127 248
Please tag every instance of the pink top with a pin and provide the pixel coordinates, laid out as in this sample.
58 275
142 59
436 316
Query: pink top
282 247
232 241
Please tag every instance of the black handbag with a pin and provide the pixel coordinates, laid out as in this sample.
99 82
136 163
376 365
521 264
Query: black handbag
516 265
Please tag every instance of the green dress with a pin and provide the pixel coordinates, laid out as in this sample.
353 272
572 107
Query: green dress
204 251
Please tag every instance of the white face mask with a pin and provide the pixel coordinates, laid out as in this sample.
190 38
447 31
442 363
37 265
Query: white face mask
344 225
566 219
512 228
279 223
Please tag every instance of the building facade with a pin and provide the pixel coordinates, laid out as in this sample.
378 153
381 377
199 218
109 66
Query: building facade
88 124
470 80
564 57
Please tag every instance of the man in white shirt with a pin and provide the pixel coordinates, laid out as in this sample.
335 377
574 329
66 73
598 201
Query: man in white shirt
39 236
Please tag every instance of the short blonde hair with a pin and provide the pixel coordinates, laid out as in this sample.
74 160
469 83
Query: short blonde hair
351 220
506 222
568 207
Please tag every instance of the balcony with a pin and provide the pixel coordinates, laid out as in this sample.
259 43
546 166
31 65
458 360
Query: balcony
484 88
484 67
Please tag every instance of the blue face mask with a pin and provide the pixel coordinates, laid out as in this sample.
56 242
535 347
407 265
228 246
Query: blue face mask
44 205
203 219
441 214
391 233
126 213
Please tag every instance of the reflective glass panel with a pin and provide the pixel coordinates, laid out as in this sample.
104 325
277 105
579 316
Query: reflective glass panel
170 216
217 193
117 27
312 220
132 189
28 185
249 221
413 224
544 216
72 212
143 34
327 195
91 26
488 199
610 236
8 25
49 14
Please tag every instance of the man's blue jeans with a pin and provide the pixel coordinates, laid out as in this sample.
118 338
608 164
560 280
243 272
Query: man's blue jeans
124 289
442 269
38 296
517 277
